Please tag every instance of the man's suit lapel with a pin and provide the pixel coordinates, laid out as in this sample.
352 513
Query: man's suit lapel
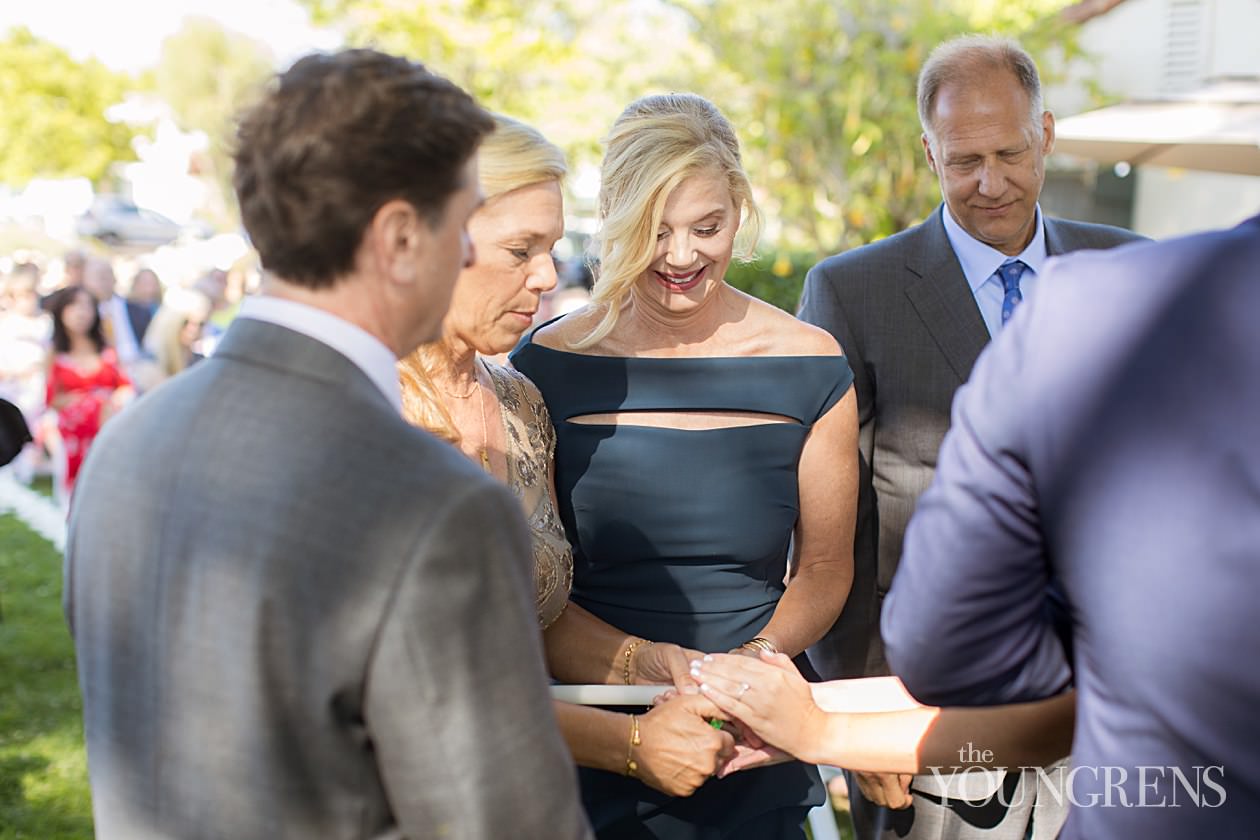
1059 238
1062 237
139 318
943 299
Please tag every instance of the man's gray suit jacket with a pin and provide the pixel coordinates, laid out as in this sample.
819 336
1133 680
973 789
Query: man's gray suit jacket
297 616
906 318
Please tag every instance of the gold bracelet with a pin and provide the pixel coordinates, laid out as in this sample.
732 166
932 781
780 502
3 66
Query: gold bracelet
632 766
629 657
760 643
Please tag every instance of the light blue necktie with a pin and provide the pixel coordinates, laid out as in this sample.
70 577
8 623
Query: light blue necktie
1009 273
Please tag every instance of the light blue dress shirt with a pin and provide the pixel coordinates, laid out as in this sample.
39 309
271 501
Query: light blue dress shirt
979 262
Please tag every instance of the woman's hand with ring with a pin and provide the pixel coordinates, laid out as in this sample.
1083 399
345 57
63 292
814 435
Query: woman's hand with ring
767 696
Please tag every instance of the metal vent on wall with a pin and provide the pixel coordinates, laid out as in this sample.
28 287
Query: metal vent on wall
1183 45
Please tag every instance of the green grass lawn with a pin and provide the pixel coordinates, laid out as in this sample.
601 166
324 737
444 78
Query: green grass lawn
43 767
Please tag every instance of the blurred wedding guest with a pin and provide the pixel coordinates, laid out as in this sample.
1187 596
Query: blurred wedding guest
497 418
146 293
702 434
72 268
318 621
1097 458
170 344
25 333
214 286
85 384
122 322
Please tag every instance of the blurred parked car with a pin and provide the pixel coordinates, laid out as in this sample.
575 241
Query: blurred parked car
119 222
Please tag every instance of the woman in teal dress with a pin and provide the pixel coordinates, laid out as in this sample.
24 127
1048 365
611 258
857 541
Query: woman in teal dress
703 436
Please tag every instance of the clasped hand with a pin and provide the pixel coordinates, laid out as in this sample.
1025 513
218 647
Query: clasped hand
773 707
663 663
680 749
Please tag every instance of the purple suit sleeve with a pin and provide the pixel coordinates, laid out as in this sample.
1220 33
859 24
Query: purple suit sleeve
968 621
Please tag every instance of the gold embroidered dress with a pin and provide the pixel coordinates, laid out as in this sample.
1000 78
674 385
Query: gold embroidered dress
530 443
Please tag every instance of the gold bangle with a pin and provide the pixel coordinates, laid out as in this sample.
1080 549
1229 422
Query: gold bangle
760 643
629 658
632 766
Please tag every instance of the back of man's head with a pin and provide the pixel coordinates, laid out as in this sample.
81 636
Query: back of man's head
336 137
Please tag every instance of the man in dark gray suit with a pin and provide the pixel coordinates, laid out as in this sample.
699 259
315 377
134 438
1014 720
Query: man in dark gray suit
313 619
1100 448
912 313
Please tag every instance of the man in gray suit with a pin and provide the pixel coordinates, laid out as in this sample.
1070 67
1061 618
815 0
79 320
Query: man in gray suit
913 312
313 619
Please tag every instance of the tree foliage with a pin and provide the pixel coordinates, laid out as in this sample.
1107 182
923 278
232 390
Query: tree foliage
824 97
566 66
55 123
207 74
822 92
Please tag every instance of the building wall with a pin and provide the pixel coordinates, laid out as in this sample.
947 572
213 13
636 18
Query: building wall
1170 202
1150 49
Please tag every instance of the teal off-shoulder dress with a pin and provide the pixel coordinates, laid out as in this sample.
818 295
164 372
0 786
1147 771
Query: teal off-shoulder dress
682 536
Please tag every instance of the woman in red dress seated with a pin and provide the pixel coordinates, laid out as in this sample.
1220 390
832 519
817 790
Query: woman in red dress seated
86 385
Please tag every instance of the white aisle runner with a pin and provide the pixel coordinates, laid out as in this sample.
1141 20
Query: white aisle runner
40 514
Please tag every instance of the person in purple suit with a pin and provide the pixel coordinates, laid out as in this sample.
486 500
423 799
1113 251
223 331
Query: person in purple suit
1095 519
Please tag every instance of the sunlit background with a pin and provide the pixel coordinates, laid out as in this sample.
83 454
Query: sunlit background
135 98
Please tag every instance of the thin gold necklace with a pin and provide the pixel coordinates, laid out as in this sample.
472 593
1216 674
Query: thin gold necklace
471 391
483 452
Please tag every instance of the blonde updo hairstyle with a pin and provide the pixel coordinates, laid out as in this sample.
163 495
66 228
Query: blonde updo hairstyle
657 143
512 156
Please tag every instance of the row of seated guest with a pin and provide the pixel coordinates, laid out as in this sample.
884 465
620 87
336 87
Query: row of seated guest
67 376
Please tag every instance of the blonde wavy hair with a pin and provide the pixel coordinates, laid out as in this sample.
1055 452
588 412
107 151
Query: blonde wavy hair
512 156
657 143
163 338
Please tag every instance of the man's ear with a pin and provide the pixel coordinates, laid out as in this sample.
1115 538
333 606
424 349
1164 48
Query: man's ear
394 238
1047 132
927 154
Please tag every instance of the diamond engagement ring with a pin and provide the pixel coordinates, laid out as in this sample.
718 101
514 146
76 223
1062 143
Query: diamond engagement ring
743 689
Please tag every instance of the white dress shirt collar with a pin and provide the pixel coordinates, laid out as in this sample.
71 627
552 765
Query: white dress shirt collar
367 352
979 260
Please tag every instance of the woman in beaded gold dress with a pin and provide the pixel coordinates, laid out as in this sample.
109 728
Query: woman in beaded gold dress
497 418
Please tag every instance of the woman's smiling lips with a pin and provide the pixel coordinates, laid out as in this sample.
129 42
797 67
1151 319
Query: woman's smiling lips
680 282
